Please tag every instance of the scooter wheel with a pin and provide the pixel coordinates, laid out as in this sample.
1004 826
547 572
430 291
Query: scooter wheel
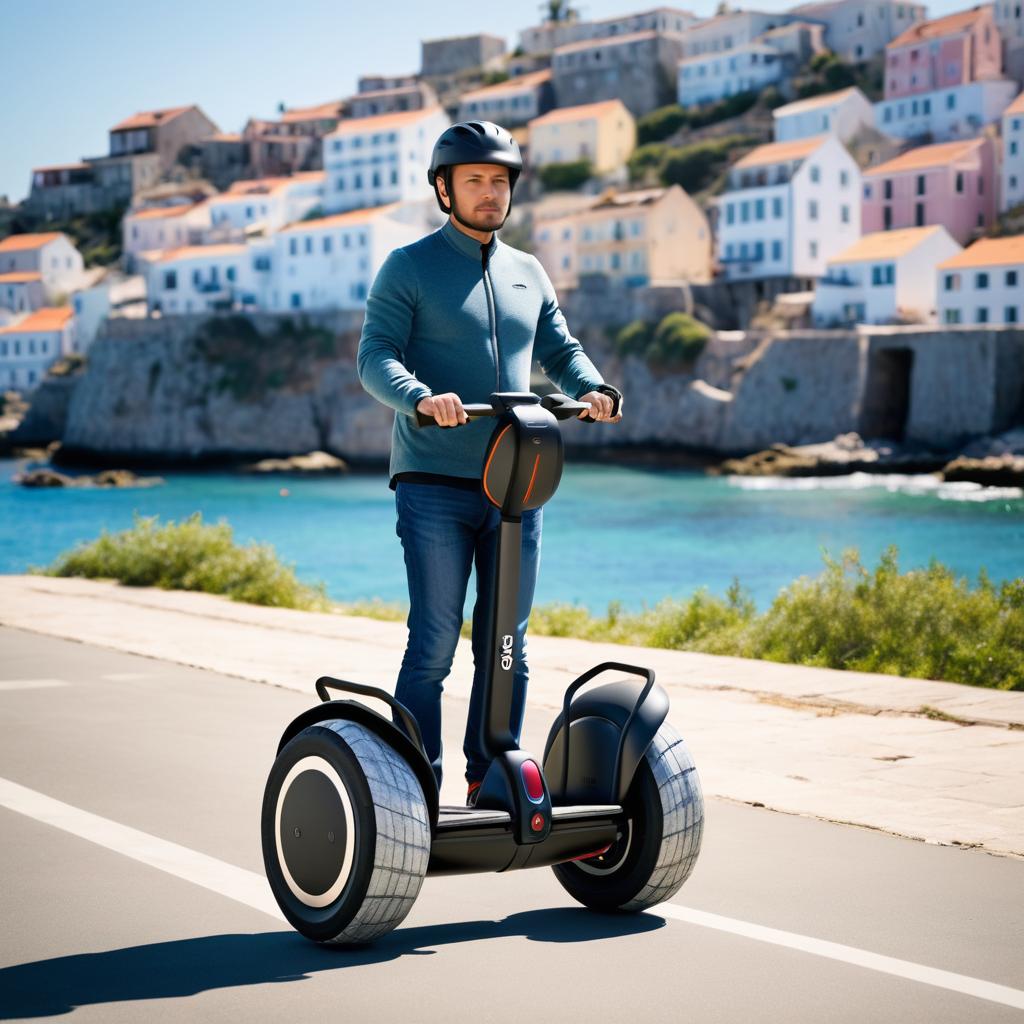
658 847
346 834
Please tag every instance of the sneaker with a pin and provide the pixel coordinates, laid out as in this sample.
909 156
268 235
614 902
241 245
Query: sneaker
472 793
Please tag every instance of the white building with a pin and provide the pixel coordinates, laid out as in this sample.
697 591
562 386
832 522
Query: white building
550 35
330 263
857 30
49 254
197 278
163 227
263 205
29 347
844 113
712 77
514 102
984 284
1013 156
322 263
790 206
729 31
376 160
884 278
946 114
1009 16
21 291
109 293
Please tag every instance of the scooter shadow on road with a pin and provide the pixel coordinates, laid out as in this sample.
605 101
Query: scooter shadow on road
185 967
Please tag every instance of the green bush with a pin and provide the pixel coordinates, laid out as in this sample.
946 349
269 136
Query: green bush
565 177
190 555
925 623
633 339
676 341
660 124
723 110
646 158
693 167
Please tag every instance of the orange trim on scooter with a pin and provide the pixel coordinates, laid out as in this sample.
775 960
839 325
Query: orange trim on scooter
494 448
533 476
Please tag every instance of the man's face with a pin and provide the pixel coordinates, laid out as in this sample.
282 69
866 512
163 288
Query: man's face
482 195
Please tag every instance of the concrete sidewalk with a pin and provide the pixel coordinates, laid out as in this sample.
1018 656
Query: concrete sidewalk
934 761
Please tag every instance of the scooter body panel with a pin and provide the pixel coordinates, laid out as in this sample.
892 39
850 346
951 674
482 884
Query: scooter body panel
608 735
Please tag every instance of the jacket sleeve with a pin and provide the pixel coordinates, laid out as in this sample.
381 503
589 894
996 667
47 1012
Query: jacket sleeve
561 357
387 327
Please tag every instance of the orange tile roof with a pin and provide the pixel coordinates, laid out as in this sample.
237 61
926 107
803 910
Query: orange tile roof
781 152
223 137
590 44
528 81
63 167
918 159
193 252
49 318
163 212
321 112
20 277
398 119
252 187
814 102
248 186
19 243
150 118
989 252
885 245
340 220
581 113
1016 107
952 24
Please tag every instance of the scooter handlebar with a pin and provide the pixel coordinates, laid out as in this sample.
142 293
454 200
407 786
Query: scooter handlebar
560 406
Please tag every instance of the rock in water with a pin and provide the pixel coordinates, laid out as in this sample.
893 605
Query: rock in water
993 471
313 463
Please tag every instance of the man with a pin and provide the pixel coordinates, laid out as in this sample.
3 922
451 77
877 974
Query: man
451 319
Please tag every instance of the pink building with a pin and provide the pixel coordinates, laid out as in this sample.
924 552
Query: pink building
953 184
944 53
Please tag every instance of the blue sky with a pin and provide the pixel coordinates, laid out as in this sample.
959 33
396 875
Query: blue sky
70 69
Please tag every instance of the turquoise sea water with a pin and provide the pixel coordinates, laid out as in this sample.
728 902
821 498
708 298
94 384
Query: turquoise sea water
610 533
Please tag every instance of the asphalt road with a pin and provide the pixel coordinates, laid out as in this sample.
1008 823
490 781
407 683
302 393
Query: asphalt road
148 747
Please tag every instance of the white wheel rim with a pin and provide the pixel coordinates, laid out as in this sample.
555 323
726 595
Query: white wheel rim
319 764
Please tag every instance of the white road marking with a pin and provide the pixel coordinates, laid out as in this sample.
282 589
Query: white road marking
31 684
848 954
246 887
251 889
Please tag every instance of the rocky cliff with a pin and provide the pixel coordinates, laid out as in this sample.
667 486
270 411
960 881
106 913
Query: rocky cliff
235 388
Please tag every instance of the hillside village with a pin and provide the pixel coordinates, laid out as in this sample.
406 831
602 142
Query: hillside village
840 164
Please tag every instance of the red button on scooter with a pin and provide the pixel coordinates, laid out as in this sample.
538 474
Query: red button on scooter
532 780
537 822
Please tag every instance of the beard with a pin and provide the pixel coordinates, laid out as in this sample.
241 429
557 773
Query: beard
483 220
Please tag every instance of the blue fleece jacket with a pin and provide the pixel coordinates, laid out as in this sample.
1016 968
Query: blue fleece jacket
446 314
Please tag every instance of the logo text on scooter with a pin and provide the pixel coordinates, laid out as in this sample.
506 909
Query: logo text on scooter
506 652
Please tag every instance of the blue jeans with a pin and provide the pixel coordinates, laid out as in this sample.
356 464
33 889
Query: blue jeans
444 532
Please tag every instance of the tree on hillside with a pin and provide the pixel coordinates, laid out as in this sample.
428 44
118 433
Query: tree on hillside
556 11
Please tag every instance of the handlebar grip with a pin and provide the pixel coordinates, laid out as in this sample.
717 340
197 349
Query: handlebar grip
473 411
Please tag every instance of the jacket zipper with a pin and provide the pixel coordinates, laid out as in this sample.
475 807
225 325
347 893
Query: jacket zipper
491 313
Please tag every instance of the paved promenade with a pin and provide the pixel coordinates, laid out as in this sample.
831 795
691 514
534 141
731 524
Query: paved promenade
933 761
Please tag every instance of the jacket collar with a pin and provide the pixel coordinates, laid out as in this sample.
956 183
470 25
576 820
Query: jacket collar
464 244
